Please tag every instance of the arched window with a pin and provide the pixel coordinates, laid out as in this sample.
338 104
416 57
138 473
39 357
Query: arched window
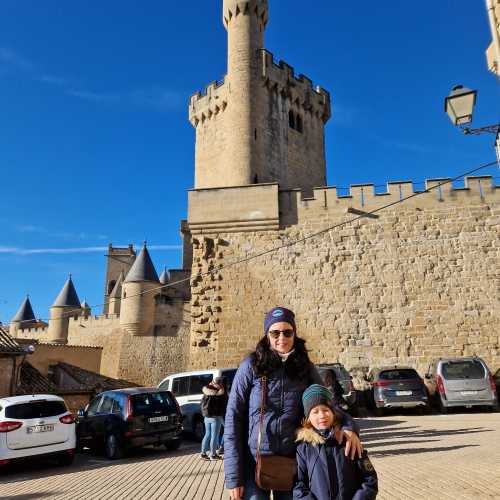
291 119
111 285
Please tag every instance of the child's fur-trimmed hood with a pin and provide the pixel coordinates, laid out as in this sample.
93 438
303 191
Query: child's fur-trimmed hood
309 435
211 390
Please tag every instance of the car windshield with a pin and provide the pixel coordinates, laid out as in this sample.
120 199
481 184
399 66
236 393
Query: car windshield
153 403
457 370
36 409
403 374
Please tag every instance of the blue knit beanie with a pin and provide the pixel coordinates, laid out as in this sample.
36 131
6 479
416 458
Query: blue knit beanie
277 315
316 395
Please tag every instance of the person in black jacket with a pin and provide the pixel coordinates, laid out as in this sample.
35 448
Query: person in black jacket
213 409
333 385
324 472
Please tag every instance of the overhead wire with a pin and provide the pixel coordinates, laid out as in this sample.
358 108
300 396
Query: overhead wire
218 269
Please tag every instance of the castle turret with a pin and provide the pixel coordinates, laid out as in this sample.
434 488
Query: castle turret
24 318
164 277
115 297
66 305
263 123
245 23
86 309
138 299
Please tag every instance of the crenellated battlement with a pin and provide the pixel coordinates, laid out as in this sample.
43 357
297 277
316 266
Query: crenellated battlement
235 8
203 106
263 207
299 89
364 196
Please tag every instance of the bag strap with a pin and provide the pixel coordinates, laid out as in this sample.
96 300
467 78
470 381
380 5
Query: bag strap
261 424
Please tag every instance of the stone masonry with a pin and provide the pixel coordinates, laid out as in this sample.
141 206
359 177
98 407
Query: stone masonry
419 282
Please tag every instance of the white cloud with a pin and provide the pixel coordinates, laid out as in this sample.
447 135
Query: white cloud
73 250
15 60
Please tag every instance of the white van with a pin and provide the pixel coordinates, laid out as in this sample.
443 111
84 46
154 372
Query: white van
187 389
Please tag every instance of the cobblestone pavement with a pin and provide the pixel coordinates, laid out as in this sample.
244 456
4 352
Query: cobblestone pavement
417 457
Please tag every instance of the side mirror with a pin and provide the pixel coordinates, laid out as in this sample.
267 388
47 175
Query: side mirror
81 413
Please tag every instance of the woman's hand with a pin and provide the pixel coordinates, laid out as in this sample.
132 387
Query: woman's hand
353 444
236 493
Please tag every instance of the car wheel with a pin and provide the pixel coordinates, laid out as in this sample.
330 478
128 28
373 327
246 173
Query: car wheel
173 445
66 459
198 429
113 448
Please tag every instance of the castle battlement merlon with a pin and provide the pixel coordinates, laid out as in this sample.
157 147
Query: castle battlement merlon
299 89
364 196
235 8
203 106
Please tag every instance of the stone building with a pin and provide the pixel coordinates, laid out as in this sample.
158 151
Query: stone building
416 281
493 50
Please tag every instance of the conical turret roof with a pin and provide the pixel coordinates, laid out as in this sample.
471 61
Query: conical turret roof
25 312
142 269
116 293
67 296
164 277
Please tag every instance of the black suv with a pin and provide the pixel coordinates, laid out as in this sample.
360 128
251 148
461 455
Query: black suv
127 418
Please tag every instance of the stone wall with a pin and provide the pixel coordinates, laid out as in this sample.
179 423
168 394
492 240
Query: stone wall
420 282
147 359
88 358
6 366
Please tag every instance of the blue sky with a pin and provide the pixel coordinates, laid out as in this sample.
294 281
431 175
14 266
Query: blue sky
95 145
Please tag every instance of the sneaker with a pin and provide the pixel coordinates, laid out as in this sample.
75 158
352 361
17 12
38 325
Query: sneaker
220 454
214 458
204 456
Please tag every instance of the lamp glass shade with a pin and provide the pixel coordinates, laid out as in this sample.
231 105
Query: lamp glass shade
460 105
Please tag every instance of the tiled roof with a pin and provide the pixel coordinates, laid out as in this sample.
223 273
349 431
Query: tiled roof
33 382
86 379
8 345
80 380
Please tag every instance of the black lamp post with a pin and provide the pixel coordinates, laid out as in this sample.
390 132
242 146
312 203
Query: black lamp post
460 107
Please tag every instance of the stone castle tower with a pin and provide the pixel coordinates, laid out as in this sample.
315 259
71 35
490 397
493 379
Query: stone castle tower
261 124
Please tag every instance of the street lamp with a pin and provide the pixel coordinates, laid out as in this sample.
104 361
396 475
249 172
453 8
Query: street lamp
460 106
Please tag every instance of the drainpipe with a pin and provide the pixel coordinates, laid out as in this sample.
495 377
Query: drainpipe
494 32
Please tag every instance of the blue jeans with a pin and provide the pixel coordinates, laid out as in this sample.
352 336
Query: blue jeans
212 433
253 492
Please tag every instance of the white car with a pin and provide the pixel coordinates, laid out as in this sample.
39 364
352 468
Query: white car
187 389
36 425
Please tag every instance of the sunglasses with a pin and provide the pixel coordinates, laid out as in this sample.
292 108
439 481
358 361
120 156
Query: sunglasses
276 333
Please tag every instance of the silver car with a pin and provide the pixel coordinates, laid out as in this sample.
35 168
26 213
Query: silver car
454 382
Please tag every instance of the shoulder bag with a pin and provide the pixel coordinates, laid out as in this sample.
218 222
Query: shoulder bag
273 472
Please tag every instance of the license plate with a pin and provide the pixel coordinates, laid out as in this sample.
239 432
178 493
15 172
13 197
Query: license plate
154 420
39 428
468 393
404 393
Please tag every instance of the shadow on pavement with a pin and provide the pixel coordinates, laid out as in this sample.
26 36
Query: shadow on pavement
413 451
379 433
32 496
38 468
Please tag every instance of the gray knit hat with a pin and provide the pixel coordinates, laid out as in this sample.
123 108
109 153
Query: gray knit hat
316 395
